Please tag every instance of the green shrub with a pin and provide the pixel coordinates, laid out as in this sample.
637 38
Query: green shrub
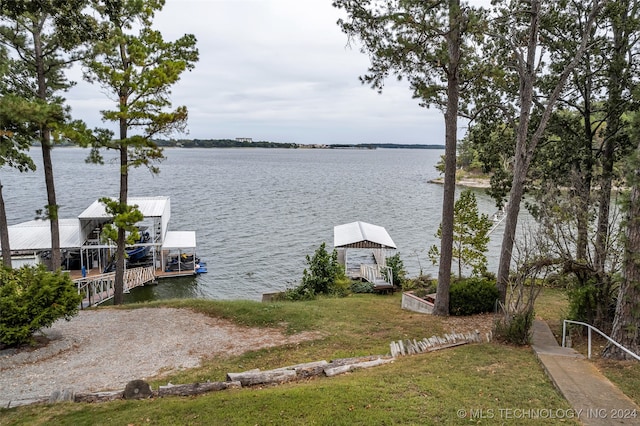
397 269
323 271
422 282
472 296
361 287
583 303
516 328
341 287
296 294
324 276
32 298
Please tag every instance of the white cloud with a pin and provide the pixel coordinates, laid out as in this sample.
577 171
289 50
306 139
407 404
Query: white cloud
278 70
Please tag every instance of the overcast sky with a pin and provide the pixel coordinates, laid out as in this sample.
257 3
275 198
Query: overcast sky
278 70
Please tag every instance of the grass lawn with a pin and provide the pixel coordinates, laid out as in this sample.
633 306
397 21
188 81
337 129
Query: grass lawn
552 305
485 383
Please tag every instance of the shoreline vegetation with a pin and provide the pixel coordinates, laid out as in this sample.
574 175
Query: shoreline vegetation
248 143
480 182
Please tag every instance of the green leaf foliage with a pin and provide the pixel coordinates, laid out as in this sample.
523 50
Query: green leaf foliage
32 298
397 269
470 235
517 329
134 63
324 270
124 217
325 275
409 39
361 287
473 296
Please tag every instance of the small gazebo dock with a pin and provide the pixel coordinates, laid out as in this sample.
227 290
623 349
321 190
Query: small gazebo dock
374 241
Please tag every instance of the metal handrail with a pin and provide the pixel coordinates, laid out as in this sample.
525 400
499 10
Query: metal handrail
589 327
100 288
388 274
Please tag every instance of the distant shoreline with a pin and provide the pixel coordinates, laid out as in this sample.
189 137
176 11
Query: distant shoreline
481 183
230 143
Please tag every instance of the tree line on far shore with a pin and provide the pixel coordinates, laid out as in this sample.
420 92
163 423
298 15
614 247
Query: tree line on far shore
235 143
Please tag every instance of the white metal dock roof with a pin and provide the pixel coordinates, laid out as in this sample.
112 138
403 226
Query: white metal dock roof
179 240
148 206
361 235
36 235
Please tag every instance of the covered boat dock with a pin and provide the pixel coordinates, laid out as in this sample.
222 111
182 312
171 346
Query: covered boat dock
87 258
372 239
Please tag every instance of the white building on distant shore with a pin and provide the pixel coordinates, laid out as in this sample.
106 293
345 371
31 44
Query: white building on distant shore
249 140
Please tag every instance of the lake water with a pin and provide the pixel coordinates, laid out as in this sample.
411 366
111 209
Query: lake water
258 212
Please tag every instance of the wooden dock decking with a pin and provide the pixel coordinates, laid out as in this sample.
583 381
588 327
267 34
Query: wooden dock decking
97 289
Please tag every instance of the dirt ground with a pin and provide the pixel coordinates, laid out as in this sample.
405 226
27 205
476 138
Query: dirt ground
104 349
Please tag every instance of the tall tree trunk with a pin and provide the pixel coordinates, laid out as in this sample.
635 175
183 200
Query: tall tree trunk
4 233
118 297
45 141
459 249
525 145
615 107
521 166
451 138
583 195
510 225
52 205
584 172
626 324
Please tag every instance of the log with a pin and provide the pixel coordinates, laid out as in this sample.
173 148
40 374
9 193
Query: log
340 369
353 360
450 345
23 402
393 347
59 396
306 370
303 366
309 369
195 388
251 378
99 396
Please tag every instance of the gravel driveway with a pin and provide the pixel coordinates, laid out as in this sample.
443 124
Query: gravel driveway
104 349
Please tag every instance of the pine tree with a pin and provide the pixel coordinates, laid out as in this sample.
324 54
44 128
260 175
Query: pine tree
138 68
470 235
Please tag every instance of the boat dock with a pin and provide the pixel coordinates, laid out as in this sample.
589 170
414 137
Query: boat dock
89 259
365 236
100 288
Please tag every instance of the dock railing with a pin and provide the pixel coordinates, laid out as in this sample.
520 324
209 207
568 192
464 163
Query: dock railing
590 327
100 288
377 274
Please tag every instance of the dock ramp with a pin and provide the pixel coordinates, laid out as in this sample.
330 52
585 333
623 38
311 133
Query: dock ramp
100 288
